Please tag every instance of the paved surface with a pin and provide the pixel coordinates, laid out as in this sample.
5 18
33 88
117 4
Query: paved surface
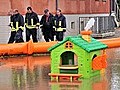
117 33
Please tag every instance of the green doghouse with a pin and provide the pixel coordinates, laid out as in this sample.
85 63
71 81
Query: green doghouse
77 56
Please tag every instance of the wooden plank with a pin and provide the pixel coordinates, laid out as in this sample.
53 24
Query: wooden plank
65 83
57 74
71 77
62 67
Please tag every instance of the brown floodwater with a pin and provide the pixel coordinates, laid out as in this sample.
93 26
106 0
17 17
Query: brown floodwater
31 73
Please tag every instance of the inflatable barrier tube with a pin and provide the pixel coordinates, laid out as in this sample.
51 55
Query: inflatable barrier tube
3 49
25 48
108 40
111 43
43 46
10 49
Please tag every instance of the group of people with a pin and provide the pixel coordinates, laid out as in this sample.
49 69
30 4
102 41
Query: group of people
49 24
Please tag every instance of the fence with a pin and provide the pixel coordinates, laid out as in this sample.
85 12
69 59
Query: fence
103 24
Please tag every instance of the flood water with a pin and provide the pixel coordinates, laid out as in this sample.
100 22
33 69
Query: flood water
31 73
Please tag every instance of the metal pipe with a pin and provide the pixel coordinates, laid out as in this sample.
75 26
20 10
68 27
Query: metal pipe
56 4
110 6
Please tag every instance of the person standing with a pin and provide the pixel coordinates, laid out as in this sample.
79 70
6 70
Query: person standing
10 13
31 24
46 24
60 25
17 26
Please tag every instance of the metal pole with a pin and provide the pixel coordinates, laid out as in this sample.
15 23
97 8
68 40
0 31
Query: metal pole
79 25
97 25
56 4
110 6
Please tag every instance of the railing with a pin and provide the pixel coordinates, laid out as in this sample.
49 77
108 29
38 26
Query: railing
103 24
115 9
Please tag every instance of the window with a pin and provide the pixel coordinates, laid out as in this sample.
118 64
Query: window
82 25
93 59
69 45
68 63
72 25
69 58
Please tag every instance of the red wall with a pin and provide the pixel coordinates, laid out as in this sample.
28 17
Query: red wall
67 6
84 6
40 5
5 6
100 7
18 4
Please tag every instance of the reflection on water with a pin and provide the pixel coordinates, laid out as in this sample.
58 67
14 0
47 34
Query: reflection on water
94 83
113 69
31 73
24 73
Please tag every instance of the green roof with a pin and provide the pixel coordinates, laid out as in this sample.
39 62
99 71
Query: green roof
79 41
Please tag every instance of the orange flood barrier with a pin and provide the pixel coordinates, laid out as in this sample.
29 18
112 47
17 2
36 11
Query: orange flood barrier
25 48
10 49
111 43
42 47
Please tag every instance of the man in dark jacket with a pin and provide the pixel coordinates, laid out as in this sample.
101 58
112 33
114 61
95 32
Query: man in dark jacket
46 25
17 26
32 24
60 25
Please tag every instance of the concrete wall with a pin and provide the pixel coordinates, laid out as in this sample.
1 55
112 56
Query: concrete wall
4 29
77 27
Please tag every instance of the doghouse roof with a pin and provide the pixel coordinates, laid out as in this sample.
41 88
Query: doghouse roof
79 41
